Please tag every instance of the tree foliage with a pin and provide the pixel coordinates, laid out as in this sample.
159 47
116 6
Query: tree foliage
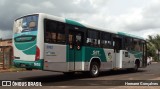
153 46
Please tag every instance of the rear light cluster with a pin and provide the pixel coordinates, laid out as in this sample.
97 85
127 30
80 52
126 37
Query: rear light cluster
37 57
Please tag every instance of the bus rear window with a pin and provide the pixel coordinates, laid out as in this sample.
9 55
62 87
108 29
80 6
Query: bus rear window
26 24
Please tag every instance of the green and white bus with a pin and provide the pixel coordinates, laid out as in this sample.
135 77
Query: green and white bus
51 43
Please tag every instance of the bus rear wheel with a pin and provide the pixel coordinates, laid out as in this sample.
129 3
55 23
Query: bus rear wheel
94 69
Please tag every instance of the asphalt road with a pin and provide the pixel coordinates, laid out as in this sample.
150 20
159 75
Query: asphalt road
58 80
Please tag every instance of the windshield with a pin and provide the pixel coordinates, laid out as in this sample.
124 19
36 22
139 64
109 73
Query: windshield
26 24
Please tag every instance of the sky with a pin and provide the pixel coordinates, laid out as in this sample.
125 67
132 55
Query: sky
138 17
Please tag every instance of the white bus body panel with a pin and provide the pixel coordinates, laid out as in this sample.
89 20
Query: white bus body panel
110 60
55 57
128 60
124 59
21 55
118 60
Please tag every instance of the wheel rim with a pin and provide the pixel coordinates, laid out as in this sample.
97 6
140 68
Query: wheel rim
95 69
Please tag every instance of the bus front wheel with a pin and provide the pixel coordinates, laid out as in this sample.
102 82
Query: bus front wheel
94 69
135 69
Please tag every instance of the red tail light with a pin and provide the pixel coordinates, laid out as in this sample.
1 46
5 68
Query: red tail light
37 54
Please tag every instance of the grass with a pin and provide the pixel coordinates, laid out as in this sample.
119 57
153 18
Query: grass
13 69
16 69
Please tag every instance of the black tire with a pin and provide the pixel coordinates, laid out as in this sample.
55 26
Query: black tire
135 69
29 69
94 69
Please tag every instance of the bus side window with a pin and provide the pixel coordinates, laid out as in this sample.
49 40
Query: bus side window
91 42
88 42
53 37
61 38
48 37
106 40
136 45
92 38
141 45
128 43
79 41
60 33
70 41
99 43
54 32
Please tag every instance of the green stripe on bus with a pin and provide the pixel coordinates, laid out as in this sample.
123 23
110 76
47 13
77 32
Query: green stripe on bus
85 54
31 51
137 54
74 23
27 47
29 64
92 52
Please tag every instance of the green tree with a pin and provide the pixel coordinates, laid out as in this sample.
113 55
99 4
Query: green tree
151 50
153 46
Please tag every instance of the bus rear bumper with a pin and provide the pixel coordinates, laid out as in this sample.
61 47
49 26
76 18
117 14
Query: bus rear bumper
29 64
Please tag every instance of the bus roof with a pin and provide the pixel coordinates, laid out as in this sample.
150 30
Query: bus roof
130 35
73 22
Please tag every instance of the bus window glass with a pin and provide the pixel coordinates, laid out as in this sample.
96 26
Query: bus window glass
106 40
113 43
54 32
141 45
136 45
78 37
78 40
127 43
92 37
70 38
26 24
99 43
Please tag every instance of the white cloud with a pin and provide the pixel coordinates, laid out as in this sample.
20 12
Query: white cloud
2 2
141 21
139 17
48 5
6 34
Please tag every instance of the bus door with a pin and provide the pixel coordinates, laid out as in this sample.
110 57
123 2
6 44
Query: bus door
76 40
117 43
